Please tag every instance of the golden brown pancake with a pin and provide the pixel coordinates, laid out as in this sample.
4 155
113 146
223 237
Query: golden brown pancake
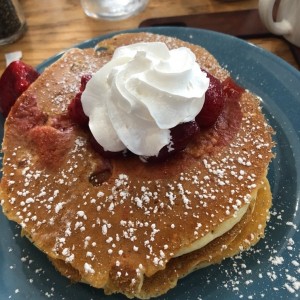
121 224
243 235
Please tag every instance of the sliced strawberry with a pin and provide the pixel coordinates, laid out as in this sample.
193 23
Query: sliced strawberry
16 78
182 134
213 105
75 109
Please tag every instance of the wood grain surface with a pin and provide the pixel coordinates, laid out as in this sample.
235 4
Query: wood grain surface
58 24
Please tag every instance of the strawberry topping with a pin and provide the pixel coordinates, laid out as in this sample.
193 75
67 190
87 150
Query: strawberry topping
16 78
75 109
213 105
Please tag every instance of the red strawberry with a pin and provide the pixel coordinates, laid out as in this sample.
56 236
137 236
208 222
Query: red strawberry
16 78
213 105
182 134
75 109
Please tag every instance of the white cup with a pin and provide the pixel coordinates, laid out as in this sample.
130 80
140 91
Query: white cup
287 21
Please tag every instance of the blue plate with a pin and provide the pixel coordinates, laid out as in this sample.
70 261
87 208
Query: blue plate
271 269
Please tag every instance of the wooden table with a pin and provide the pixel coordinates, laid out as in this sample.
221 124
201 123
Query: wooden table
58 24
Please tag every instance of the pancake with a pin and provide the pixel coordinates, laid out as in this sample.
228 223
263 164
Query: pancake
121 224
241 237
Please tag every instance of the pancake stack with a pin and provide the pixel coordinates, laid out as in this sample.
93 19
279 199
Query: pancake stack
121 224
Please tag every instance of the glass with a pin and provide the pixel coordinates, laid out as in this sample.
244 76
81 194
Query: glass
112 9
12 21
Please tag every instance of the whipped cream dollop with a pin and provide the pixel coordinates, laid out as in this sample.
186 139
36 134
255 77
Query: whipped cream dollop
142 92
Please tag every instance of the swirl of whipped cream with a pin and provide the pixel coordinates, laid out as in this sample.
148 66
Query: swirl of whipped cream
142 92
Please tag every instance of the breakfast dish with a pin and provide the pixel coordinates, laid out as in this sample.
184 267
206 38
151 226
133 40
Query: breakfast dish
183 254
125 224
